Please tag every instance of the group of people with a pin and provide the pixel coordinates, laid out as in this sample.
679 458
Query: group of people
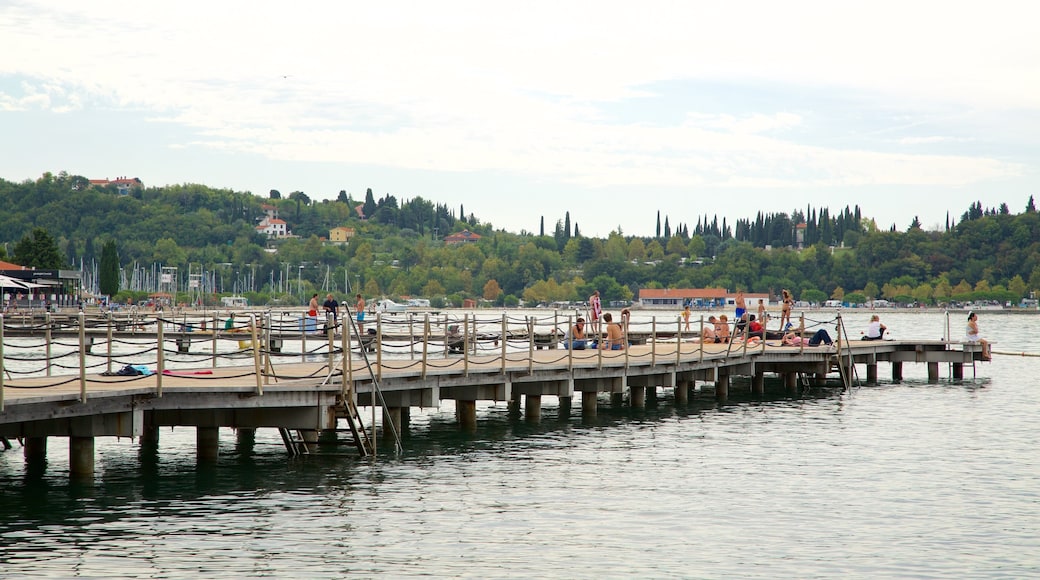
609 336
331 307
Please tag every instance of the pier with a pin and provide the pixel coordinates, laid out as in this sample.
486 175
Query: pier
244 378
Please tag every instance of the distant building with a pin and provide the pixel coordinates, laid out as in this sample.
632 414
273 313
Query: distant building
696 298
341 235
463 237
122 184
273 228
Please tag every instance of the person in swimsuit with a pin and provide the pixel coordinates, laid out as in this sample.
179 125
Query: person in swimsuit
972 335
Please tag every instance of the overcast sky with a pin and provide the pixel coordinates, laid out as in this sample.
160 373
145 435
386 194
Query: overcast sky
609 110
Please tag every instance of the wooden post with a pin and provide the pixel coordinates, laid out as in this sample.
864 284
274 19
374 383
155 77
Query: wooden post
160 354
82 359
3 371
303 337
344 339
330 332
47 340
570 347
425 342
348 353
530 345
213 348
379 354
256 355
678 342
108 334
465 344
411 336
653 341
502 337
700 335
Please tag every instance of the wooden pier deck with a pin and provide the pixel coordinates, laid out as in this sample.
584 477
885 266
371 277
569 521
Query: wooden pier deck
319 393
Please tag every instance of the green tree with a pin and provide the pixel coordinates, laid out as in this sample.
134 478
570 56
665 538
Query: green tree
108 269
38 250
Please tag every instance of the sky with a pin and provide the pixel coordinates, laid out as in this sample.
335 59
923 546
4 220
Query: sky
611 111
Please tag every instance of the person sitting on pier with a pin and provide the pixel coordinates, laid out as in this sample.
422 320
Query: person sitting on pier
615 339
708 331
875 330
575 339
722 334
972 335
755 328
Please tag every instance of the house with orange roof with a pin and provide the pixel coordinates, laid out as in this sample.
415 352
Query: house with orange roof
463 237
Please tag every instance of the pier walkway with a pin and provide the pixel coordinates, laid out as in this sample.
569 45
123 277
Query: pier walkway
251 388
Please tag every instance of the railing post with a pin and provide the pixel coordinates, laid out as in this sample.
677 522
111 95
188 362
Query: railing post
47 340
653 341
530 345
303 336
348 350
330 331
678 341
108 334
344 340
502 337
700 336
256 354
446 345
159 360
3 371
213 350
379 351
599 349
801 335
425 341
411 336
465 345
570 347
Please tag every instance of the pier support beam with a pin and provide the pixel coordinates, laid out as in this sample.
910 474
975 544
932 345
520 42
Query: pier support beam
589 400
958 370
758 384
394 415
533 407
35 449
565 406
682 392
467 415
637 396
872 373
81 458
933 372
897 371
514 403
722 388
791 382
207 444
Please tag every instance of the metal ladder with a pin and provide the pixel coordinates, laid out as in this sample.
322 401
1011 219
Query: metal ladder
293 443
357 428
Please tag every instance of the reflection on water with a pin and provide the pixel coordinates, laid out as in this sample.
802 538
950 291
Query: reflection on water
902 479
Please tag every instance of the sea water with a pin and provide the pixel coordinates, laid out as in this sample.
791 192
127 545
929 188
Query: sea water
905 479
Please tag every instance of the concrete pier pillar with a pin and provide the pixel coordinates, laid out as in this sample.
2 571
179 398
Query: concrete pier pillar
933 371
682 393
467 414
637 396
758 384
650 394
207 444
149 437
617 399
565 406
897 371
514 404
791 382
589 400
722 388
81 458
406 419
958 370
394 416
872 373
245 440
35 449
533 407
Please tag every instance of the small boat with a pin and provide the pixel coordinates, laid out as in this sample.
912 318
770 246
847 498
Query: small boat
419 303
386 305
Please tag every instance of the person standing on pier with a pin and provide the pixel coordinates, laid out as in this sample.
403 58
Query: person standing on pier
359 306
595 311
740 311
312 307
331 306
785 309
686 316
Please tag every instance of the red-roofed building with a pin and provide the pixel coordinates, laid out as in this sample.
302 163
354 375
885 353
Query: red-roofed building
274 228
462 237
122 184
